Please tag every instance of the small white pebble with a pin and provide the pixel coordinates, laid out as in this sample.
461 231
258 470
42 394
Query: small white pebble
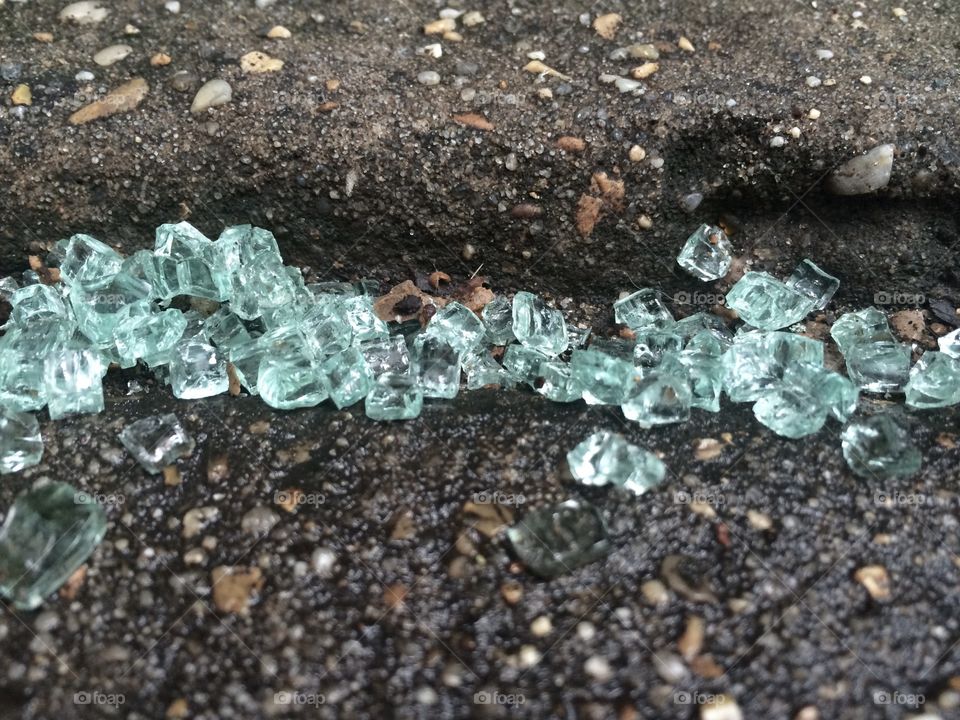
777 141
468 94
794 132
814 114
545 93
84 76
541 626
451 13
637 154
645 222
684 44
866 79
537 55
434 50
473 18
656 163
212 94
598 668
830 82
172 6
529 656
825 54
429 77
813 81
112 54
899 12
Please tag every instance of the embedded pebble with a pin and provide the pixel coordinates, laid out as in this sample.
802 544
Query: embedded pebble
428 77
279 32
598 668
84 76
182 81
259 520
825 54
10 71
814 114
434 50
109 55
863 174
172 6
541 626
120 99
691 202
259 62
323 560
866 79
473 18
684 44
22 95
438 27
813 81
637 154
84 13
777 141
213 93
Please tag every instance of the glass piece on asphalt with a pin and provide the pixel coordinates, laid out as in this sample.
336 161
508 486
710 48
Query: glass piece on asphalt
705 374
20 442
790 411
864 326
559 384
386 354
950 344
707 254
538 326
756 361
251 242
766 303
179 241
880 447
934 381
348 377
262 285
523 363
603 378
48 533
556 539
811 281
438 366
363 321
156 441
607 458
498 319
879 366
652 344
458 325
246 361
482 369
394 397
225 330
659 396
89 263
689 327
836 393
142 334
72 382
291 379
36 302
197 370
98 311
642 309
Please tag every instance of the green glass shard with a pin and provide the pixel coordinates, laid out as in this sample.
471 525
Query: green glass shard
162 275
438 366
98 312
20 442
558 538
8 286
327 330
707 342
558 384
950 344
643 309
72 382
523 363
394 397
89 263
538 326
659 396
879 366
606 458
246 361
707 254
225 330
834 392
36 302
766 303
348 377
197 370
812 282
291 380
482 369
195 278
386 355
880 447
934 381
498 319
141 333
690 327
705 374
652 344
604 378
864 326
578 337
49 532
156 441
756 361
179 241
21 381
251 243
321 290
790 411
458 325
363 321
262 285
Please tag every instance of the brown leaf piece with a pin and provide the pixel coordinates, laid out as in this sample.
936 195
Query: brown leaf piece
474 120
121 99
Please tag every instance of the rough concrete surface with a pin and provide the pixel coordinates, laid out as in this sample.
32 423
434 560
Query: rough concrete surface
370 176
